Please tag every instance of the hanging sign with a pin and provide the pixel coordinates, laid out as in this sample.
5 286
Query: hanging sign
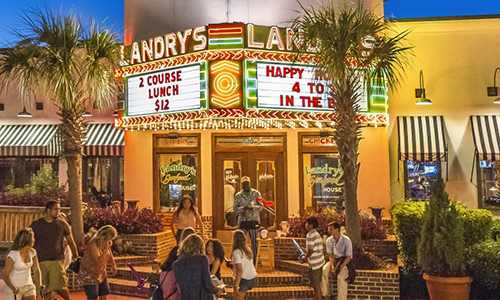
171 90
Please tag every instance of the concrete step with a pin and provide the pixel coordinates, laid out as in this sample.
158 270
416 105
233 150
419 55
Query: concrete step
127 287
274 278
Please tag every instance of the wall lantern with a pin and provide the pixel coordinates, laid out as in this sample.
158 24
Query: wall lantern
493 90
87 114
24 113
420 93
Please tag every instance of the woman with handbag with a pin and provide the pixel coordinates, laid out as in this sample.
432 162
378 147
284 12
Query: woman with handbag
21 260
92 274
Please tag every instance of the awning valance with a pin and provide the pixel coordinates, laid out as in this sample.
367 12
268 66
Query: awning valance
486 133
421 138
103 140
29 140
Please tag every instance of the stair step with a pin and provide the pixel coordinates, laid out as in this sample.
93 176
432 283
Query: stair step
127 287
274 278
277 293
292 266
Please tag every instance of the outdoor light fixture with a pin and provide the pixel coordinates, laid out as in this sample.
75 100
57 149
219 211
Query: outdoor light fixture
87 114
420 93
493 90
24 113
115 113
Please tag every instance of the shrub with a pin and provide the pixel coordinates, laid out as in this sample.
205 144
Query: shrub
371 228
484 263
477 224
28 199
407 226
441 250
495 230
130 221
44 182
366 260
296 225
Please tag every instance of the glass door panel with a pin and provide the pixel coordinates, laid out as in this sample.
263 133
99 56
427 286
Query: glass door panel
231 178
266 185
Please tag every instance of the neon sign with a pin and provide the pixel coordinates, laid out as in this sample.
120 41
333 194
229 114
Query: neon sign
226 84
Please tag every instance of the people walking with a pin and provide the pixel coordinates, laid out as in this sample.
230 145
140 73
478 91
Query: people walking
50 232
191 271
314 256
21 261
92 274
186 216
243 267
339 250
248 209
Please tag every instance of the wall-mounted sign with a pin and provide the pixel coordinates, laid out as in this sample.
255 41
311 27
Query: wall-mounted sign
295 87
250 141
190 141
172 90
314 141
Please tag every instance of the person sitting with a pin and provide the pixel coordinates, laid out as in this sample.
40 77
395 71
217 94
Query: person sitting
191 271
215 254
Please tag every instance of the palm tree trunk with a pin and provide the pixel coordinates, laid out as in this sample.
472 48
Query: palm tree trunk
347 136
74 161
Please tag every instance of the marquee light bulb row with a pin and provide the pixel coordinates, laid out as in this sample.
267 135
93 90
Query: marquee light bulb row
229 124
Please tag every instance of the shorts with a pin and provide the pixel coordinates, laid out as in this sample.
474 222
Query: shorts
24 291
246 285
315 276
97 290
53 275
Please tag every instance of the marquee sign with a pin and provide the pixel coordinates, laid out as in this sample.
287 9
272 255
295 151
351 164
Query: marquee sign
172 90
231 66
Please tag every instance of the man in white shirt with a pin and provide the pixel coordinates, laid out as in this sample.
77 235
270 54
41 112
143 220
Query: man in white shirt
339 250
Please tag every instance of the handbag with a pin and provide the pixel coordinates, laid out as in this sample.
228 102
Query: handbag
75 265
249 225
157 293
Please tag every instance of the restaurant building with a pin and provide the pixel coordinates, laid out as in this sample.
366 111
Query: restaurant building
457 136
209 99
29 141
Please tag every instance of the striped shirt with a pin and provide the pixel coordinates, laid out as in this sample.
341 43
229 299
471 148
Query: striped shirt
315 242
340 248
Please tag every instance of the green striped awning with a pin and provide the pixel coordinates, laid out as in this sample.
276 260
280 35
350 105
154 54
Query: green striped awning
29 140
103 140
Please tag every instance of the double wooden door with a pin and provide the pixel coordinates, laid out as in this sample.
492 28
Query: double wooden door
267 173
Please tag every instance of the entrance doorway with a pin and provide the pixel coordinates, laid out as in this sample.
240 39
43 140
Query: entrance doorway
264 164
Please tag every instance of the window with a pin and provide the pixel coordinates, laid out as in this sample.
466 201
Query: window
103 177
17 171
176 160
421 176
490 183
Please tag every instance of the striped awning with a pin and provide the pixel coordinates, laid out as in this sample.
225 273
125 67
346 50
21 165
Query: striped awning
103 140
29 140
421 138
486 133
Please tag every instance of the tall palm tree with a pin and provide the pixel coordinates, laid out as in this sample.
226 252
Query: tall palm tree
74 66
353 46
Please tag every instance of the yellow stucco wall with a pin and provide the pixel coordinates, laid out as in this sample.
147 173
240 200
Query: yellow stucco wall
373 176
458 58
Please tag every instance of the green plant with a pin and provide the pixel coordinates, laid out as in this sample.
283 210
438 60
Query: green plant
477 224
44 182
441 250
484 263
495 230
407 226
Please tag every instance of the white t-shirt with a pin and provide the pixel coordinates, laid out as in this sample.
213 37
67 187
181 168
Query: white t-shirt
249 272
21 271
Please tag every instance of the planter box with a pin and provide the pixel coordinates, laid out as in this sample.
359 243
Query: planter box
155 244
285 250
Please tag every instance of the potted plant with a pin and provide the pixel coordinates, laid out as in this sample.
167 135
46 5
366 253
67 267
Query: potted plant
441 251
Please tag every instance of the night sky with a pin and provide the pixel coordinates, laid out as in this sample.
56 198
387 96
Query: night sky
110 12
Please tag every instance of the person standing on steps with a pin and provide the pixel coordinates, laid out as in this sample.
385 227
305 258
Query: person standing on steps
248 209
50 232
315 256
186 216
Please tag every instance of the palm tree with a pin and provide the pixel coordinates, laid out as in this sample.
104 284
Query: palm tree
74 66
352 46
